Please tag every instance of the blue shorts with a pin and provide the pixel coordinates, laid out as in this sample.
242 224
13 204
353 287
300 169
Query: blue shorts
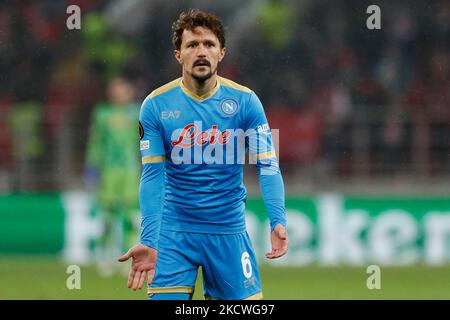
228 262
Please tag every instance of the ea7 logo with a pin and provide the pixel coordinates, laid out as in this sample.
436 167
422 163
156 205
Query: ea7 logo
170 114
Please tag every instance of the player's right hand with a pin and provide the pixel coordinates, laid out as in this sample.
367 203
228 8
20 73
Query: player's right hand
143 262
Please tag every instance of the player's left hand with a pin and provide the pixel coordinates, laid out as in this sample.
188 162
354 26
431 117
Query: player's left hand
143 262
279 239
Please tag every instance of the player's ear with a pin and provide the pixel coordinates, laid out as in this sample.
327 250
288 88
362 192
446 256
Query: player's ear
177 55
222 53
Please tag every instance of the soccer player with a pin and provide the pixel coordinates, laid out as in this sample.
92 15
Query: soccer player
113 167
192 195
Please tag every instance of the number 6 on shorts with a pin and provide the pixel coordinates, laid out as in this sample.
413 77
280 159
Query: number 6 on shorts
246 264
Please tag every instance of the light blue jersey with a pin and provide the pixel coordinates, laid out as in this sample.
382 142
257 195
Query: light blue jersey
193 150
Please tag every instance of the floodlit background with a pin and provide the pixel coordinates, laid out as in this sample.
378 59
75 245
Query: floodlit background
364 120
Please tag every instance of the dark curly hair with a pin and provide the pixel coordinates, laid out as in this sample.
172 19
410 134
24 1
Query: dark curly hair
197 18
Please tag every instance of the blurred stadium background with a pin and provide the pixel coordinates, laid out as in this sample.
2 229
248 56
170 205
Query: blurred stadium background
364 119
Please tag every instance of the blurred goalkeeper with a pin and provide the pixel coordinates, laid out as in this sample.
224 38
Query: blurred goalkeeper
113 168
192 195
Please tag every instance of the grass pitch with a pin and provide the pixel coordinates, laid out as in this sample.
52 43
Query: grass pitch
45 278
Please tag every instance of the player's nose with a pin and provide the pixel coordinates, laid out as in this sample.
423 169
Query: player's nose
201 51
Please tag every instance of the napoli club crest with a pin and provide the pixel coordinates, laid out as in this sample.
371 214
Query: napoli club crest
229 107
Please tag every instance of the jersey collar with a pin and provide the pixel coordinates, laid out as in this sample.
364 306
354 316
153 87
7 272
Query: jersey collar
204 96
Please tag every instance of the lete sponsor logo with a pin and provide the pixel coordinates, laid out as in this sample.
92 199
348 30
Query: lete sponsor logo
192 134
193 145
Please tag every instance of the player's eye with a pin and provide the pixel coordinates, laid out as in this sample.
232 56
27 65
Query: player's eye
191 45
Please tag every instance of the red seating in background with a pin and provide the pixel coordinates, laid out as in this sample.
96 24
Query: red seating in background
299 134
5 141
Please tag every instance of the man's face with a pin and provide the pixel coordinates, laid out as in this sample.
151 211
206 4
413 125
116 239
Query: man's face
120 92
200 53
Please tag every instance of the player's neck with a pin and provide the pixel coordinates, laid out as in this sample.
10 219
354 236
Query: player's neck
197 87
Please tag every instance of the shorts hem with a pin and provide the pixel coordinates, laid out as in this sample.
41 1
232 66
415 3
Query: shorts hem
256 296
174 289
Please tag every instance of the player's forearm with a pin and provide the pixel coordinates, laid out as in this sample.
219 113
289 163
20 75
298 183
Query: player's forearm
272 189
151 198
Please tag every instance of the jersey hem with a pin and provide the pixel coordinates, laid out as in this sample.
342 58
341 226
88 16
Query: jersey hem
190 229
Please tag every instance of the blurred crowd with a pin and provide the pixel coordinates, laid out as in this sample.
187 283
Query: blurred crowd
348 100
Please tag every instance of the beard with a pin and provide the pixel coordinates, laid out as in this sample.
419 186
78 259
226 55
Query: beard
203 77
